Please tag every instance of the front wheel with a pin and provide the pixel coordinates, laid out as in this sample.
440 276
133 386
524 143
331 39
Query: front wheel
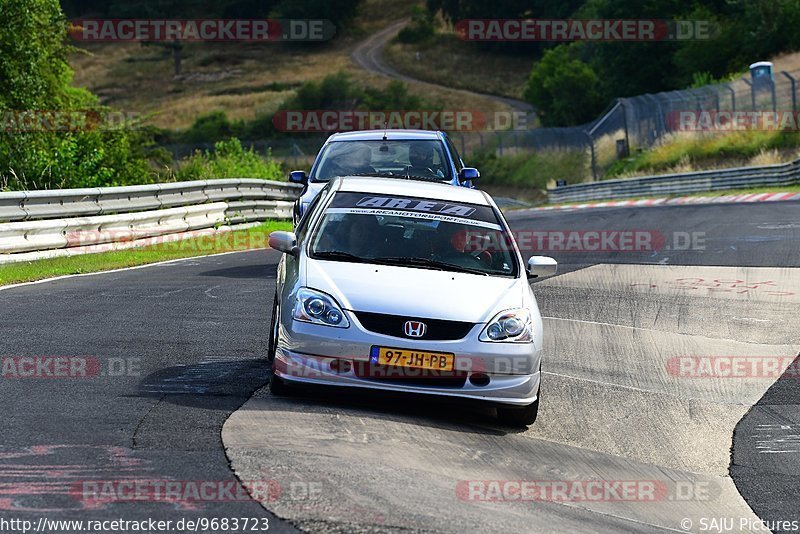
519 415
272 346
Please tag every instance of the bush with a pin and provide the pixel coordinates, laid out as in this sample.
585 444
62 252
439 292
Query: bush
35 77
335 91
228 160
420 29
564 89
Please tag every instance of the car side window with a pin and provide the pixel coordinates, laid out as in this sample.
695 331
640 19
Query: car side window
454 154
302 226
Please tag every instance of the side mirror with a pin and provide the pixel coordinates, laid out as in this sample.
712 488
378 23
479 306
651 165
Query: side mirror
541 266
468 173
286 242
298 177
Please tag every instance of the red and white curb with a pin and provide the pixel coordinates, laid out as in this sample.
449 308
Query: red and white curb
724 199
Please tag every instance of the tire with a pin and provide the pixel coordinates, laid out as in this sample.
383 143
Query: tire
279 387
519 415
272 346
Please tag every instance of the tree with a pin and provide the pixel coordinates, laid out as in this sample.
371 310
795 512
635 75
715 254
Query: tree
564 89
34 73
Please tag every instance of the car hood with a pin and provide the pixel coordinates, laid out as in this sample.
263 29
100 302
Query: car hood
413 292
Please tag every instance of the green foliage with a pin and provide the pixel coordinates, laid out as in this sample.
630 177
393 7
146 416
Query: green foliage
210 128
420 29
34 73
48 160
228 160
564 89
336 91
35 78
741 31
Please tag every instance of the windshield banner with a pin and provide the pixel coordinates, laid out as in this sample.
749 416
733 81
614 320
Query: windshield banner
419 208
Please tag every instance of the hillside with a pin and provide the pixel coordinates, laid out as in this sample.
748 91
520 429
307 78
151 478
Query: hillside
243 80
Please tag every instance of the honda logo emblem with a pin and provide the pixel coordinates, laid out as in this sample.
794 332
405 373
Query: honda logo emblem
415 328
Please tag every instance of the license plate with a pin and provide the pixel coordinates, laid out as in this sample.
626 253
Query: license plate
415 359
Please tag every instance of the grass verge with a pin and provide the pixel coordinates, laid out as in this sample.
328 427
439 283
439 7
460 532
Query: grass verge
235 240
531 170
689 151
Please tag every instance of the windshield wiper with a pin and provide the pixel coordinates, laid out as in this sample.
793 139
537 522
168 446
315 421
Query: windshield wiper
338 255
376 173
399 175
426 263
424 178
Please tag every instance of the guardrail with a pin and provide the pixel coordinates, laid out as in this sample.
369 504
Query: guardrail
65 218
683 183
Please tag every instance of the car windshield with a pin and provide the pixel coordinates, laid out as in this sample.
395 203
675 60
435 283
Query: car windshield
404 157
414 232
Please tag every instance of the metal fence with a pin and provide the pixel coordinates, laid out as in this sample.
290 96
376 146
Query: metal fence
627 124
640 122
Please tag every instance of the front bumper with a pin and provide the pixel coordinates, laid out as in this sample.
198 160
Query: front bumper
306 352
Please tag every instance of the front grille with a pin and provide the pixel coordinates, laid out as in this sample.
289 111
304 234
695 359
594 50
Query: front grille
393 325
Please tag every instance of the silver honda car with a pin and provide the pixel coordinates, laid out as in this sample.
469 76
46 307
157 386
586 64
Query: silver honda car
408 286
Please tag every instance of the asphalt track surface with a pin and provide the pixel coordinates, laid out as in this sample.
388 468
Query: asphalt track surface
180 348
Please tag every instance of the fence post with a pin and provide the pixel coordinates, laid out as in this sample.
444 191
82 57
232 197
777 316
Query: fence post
660 121
733 96
593 160
774 101
794 90
715 96
752 92
623 102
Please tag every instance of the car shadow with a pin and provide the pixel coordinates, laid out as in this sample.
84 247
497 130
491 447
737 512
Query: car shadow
195 385
227 384
447 413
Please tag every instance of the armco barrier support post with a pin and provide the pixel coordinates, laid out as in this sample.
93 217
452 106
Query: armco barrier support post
793 89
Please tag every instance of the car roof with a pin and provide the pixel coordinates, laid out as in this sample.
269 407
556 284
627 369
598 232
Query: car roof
377 135
410 187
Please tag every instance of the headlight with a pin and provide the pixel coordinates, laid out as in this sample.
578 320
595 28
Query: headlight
509 326
316 307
